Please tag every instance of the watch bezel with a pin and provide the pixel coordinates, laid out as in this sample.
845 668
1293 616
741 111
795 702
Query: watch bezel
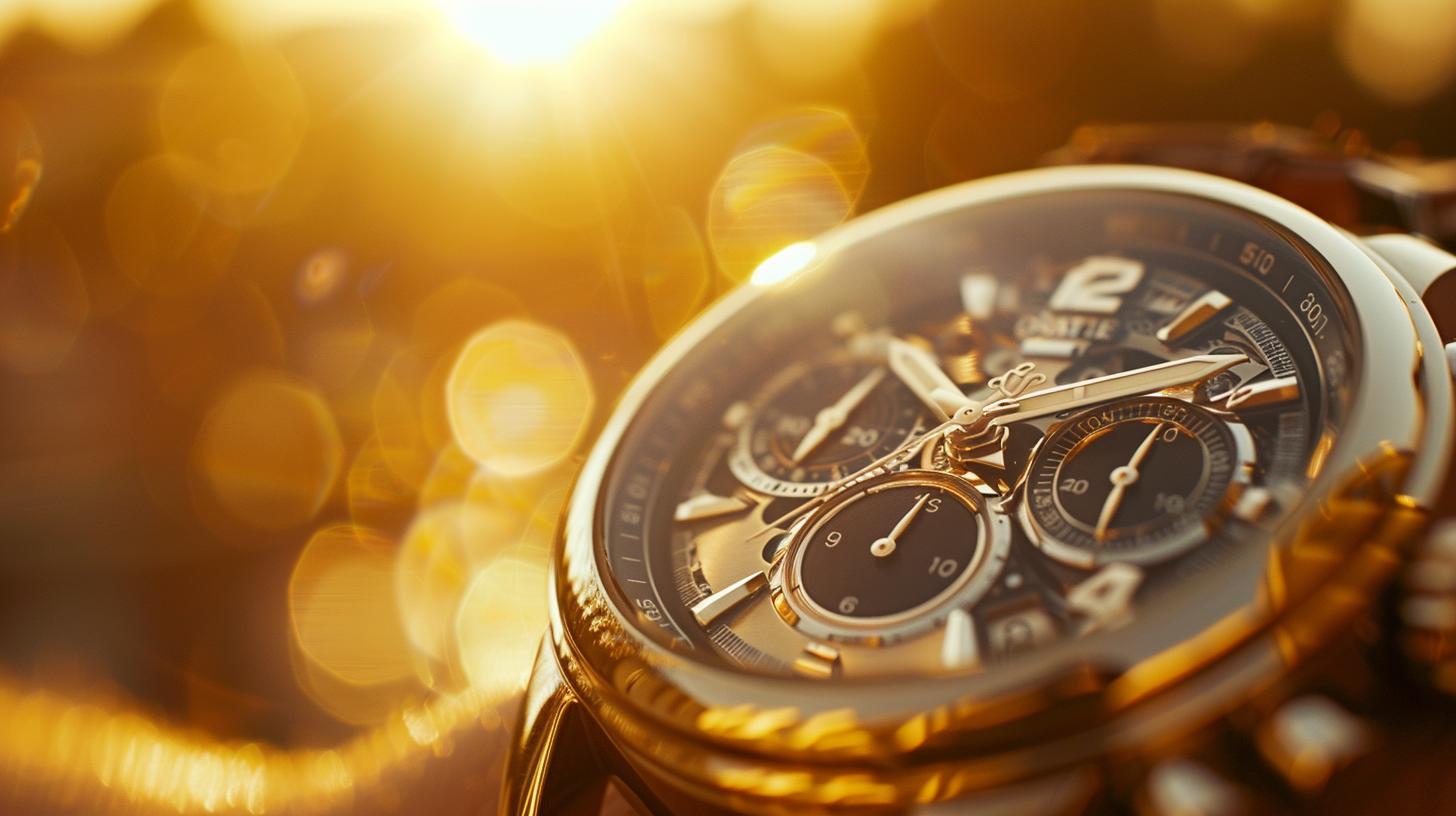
646 694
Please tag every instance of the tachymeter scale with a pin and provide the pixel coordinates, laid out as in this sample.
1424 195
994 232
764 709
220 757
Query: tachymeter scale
818 421
1139 481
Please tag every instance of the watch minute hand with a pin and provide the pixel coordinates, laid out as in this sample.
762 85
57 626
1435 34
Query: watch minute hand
1136 382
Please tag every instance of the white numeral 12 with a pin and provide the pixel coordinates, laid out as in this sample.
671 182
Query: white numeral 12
1097 285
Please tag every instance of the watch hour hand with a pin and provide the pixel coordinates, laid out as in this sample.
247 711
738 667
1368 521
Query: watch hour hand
922 373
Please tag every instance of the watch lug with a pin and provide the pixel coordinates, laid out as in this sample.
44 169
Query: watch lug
1419 261
561 763
533 742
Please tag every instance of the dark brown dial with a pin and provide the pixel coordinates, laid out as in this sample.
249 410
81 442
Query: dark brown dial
889 550
821 420
717 515
1138 480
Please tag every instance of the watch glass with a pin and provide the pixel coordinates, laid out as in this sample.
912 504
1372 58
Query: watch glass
1153 379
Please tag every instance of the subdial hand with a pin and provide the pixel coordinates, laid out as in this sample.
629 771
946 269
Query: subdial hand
924 377
832 417
884 546
1122 478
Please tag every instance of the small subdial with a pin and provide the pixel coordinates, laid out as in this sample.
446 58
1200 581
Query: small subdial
1139 481
816 423
886 559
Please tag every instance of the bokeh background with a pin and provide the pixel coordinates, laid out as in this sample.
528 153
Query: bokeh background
309 310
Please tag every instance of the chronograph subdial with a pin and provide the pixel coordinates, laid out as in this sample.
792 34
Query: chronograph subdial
815 422
1138 481
890 559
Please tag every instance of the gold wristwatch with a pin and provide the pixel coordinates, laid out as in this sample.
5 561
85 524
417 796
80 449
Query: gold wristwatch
1098 487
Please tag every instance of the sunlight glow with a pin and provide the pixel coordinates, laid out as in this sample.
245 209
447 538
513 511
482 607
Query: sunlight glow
529 32
784 264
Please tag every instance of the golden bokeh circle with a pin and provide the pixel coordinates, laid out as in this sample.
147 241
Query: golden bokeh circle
439 555
160 232
1402 50
826 133
238 116
499 626
767 198
342 610
268 452
519 398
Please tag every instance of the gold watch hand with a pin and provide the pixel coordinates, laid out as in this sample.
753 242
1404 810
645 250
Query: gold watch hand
971 414
884 464
833 416
1136 382
884 546
921 372
1123 478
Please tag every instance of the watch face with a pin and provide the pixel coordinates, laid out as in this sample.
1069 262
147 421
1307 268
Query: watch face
984 432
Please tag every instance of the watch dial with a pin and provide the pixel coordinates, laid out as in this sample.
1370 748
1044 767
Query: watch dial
981 433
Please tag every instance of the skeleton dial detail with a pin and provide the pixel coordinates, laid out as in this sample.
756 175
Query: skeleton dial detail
1049 415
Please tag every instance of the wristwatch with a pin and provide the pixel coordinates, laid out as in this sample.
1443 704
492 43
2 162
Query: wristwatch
1101 486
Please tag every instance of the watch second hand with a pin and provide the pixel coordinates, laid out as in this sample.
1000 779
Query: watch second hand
884 546
1122 478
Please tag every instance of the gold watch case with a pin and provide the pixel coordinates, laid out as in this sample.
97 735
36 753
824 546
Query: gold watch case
1035 730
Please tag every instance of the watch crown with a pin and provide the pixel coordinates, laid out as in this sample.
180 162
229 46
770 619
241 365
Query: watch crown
1428 608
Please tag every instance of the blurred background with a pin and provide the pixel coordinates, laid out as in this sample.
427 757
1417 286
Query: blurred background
309 310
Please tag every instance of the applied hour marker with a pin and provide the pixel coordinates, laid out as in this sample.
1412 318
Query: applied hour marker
1096 285
1263 392
736 414
978 294
818 660
712 607
1253 504
708 505
1195 315
958 650
1105 599
1052 347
